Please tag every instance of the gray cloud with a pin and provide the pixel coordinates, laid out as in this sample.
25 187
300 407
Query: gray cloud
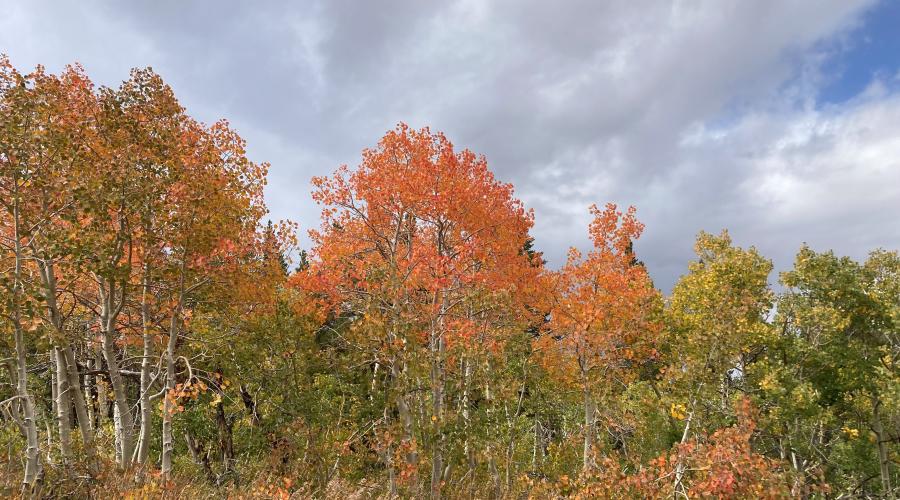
700 113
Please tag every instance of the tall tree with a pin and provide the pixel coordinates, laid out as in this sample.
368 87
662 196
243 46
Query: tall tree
44 122
408 240
604 320
717 324
217 194
18 306
835 370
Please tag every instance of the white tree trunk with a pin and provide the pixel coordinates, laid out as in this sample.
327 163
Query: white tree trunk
69 368
63 406
32 447
884 461
125 422
167 438
143 450
589 412
168 442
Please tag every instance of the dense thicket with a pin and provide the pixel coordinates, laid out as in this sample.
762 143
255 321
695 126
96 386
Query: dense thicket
157 337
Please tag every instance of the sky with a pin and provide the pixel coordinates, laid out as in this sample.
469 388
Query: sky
776 119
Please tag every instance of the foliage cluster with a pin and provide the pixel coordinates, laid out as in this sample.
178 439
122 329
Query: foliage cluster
157 340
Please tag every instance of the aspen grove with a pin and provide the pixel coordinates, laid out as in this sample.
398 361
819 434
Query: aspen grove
160 336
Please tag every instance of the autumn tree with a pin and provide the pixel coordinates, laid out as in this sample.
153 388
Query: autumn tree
602 322
44 123
219 195
831 379
155 330
19 304
716 326
408 241
121 217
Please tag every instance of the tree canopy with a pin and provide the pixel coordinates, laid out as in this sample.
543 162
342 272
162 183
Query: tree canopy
161 336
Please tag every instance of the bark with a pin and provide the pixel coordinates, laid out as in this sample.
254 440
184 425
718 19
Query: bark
78 401
76 395
117 428
412 458
389 462
680 468
89 396
492 461
143 448
468 450
406 419
168 403
589 411
69 369
168 406
225 426
438 351
884 461
109 315
54 399
250 405
200 456
33 469
32 449
63 406
100 384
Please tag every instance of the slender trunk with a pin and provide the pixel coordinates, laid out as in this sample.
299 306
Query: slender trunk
32 450
54 399
108 318
374 379
89 396
63 407
389 460
412 458
117 430
468 450
124 422
250 405
511 468
437 394
589 412
438 351
76 395
146 409
33 467
168 406
200 456
81 413
69 368
102 390
884 461
489 451
168 403
226 440
680 468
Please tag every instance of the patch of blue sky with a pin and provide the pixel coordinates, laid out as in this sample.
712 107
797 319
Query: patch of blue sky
869 53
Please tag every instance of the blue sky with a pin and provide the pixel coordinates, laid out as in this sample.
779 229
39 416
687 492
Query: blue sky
868 52
776 119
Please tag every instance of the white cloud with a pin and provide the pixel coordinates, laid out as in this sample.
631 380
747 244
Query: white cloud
702 113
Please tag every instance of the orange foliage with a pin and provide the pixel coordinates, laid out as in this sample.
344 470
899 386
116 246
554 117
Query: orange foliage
602 319
720 466
416 232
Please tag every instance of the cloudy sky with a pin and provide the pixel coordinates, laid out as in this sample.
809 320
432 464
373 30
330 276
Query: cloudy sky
776 119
